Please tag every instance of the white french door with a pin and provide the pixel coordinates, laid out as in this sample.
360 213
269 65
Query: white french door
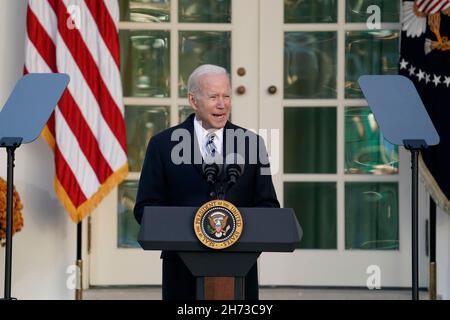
295 64
171 37
350 189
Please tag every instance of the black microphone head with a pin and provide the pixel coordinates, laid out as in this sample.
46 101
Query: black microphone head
211 171
234 167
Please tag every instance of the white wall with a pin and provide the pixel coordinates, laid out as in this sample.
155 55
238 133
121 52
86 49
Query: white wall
46 246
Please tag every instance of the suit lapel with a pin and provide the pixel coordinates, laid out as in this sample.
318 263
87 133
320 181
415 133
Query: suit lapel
228 126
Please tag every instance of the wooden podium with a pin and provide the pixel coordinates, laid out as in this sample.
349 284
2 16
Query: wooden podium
219 273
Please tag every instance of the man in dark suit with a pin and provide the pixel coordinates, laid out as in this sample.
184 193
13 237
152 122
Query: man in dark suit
172 172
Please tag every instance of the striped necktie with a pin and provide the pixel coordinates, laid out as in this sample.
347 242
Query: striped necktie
210 146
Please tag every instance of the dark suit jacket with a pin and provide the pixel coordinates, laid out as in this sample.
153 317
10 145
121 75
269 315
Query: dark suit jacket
164 183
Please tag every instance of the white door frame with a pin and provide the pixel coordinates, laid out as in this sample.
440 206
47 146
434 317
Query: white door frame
110 265
337 267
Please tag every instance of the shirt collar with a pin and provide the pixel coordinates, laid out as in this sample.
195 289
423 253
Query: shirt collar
201 134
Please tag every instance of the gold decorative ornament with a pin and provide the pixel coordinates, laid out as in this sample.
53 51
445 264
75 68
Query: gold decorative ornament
218 224
418 13
17 215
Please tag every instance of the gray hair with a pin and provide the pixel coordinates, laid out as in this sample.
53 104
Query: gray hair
202 70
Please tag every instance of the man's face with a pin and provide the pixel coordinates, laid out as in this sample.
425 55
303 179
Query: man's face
212 104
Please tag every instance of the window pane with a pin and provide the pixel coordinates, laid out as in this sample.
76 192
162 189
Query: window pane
356 10
369 52
200 47
306 11
217 11
142 123
310 65
127 227
184 112
371 216
314 204
145 63
145 10
366 151
310 140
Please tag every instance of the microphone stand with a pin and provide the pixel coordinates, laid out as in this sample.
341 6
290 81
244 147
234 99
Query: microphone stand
220 192
219 187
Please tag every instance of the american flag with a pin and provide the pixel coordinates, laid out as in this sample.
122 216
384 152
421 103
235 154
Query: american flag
432 6
87 129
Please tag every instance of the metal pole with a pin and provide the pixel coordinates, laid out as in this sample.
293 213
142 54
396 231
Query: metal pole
79 280
415 219
9 222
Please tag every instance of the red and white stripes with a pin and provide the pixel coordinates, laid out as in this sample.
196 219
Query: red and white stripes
87 129
432 6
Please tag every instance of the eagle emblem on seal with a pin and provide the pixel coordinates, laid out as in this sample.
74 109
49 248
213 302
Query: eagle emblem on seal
417 13
219 224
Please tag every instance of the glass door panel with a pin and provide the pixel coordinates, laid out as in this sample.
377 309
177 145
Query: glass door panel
145 10
145 63
142 123
204 11
366 151
369 52
316 207
357 10
200 47
310 140
310 65
371 216
310 11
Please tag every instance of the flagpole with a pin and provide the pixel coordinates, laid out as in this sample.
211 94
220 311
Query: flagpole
432 280
79 263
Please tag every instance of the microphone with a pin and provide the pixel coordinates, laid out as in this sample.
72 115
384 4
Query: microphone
211 171
234 168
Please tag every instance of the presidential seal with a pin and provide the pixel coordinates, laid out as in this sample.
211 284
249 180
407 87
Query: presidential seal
218 224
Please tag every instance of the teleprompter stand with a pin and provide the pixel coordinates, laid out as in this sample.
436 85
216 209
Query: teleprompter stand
21 121
404 121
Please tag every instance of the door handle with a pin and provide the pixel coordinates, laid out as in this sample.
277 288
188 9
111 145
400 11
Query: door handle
272 89
240 90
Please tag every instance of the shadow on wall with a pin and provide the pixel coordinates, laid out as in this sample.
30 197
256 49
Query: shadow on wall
34 174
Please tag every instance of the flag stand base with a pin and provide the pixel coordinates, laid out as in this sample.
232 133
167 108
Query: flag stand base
79 288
